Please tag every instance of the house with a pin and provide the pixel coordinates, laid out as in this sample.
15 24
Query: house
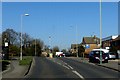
90 43
44 54
106 42
116 43
74 48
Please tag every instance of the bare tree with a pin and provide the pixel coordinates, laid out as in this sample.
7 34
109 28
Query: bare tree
55 49
10 35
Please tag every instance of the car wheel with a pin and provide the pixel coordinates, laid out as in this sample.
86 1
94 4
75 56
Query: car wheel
106 61
90 60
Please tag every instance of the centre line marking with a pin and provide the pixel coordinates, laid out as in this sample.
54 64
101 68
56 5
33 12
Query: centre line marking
78 74
65 66
70 66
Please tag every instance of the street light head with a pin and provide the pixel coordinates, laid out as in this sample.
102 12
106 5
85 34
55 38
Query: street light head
26 14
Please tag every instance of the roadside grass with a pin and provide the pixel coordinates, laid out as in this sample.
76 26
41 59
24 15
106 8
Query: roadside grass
4 60
26 60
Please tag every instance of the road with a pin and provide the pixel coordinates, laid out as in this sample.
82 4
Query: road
45 68
68 68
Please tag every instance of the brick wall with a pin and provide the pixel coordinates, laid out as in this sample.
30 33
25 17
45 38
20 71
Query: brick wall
92 46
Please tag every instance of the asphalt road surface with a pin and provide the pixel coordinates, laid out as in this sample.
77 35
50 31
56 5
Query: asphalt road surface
91 70
45 68
63 68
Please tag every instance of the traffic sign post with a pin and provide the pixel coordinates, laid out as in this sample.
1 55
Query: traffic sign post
6 51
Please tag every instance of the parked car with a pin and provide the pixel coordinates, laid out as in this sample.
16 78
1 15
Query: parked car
112 55
67 54
94 55
60 54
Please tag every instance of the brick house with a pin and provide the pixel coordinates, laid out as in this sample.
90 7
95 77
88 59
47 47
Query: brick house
90 43
74 48
116 43
106 42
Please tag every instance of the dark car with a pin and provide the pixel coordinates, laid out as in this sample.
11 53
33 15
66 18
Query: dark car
67 54
94 56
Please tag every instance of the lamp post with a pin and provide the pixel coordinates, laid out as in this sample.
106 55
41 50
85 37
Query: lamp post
100 31
21 33
76 42
35 47
49 44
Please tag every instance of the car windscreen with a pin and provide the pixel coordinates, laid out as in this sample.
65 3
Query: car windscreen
111 53
97 53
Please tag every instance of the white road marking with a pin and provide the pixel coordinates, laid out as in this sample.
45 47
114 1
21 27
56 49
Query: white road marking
59 63
70 66
78 74
65 66
65 63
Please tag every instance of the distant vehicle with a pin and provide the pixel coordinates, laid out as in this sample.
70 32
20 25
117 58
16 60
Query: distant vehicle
67 54
94 55
112 55
60 54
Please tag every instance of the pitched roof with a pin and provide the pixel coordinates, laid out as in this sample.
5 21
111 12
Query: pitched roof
74 46
118 38
91 40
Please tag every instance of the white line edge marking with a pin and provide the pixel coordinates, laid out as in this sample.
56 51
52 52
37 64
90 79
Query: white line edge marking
78 74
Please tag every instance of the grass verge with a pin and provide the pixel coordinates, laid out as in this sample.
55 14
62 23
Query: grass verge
26 60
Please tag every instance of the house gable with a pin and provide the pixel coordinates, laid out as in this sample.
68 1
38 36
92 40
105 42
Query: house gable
91 40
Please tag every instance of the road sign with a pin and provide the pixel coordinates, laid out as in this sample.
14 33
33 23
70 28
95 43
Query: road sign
87 46
6 44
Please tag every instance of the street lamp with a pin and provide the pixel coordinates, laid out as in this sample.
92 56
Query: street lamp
76 33
21 33
35 47
76 42
49 43
100 30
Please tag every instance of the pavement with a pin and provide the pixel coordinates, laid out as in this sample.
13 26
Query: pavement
112 64
15 70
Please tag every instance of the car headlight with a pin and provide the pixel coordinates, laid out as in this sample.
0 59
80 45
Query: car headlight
96 58
106 57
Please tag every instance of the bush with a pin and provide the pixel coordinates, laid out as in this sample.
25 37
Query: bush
4 64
